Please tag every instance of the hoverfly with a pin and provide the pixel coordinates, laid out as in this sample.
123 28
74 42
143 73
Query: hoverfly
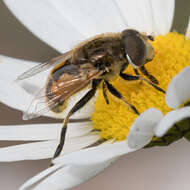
94 63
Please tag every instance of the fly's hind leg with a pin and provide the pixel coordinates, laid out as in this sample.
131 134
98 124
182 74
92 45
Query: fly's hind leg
75 108
117 94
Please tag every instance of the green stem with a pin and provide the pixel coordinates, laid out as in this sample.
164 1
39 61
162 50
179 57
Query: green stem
178 131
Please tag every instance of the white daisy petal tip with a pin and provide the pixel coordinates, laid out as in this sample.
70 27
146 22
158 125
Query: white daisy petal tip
170 119
142 130
40 176
178 91
60 177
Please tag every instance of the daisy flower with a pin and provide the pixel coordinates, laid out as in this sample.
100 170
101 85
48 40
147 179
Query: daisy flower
93 145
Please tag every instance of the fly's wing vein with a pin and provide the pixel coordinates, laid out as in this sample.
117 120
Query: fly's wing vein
44 66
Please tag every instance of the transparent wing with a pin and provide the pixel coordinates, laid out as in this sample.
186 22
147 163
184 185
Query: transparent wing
44 101
39 105
44 66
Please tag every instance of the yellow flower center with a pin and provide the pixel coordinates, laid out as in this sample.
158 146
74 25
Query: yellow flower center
172 54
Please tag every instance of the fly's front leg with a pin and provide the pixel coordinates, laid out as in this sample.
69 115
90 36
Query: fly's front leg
85 99
137 77
151 77
105 93
136 71
117 94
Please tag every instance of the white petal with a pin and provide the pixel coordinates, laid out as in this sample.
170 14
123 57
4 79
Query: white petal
78 136
32 132
29 151
75 144
188 30
14 95
72 176
91 17
18 95
66 177
44 20
178 90
11 68
162 15
170 119
45 149
148 16
37 132
142 130
78 129
97 154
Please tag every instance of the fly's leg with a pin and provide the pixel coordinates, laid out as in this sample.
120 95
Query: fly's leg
117 94
104 93
136 71
145 72
131 77
75 108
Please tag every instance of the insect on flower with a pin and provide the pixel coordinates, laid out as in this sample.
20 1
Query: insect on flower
93 63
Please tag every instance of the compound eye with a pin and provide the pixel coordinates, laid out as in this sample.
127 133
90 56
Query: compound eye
150 37
135 49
